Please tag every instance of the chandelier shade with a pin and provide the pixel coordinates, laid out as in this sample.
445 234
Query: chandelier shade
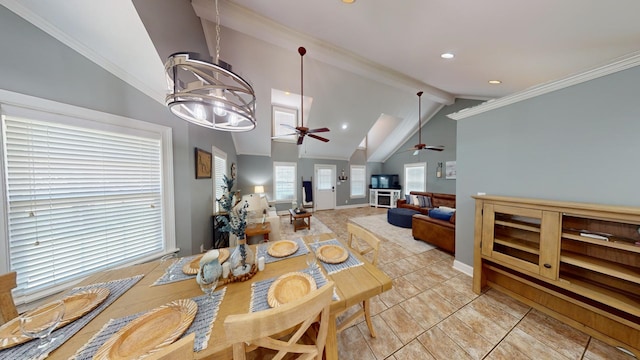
209 95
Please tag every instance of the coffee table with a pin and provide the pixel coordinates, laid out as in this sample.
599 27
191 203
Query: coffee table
298 220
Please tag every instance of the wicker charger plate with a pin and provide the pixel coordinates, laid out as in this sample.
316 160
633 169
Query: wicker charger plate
150 332
289 287
76 306
282 248
332 254
192 267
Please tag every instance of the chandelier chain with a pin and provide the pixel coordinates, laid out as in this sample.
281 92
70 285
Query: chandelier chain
217 34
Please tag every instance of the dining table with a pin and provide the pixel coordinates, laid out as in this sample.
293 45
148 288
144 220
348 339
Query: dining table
352 286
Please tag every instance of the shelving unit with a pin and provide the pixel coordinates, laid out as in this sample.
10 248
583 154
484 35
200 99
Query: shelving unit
579 263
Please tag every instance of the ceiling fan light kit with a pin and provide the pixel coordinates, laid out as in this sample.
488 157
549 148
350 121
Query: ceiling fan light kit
209 94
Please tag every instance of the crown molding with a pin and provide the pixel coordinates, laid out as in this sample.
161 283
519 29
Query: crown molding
619 64
82 49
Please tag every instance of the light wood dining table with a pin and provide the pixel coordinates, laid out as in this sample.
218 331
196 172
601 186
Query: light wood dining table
353 285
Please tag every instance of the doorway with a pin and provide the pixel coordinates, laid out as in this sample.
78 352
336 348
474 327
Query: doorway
325 189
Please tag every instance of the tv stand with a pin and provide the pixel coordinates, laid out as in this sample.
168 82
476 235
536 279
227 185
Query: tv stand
386 198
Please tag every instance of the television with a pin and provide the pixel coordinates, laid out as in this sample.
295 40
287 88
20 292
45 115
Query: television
385 181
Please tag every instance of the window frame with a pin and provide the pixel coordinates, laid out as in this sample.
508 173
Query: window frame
364 181
222 155
422 165
78 116
277 164
275 127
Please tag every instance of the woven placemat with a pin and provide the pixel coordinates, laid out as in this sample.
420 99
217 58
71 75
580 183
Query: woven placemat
351 261
262 251
174 272
116 289
202 325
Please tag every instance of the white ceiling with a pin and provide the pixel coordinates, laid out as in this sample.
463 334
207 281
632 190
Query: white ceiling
365 61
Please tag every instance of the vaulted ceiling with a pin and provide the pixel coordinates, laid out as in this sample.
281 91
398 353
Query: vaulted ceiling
365 61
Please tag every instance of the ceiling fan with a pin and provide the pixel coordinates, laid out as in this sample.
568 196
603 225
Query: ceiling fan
301 130
420 145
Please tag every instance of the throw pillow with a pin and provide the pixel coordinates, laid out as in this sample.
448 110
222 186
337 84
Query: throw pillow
422 200
414 200
429 202
440 214
446 208
407 198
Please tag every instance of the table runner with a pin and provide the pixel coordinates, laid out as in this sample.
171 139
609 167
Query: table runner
260 289
202 325
334 268
116 289
175 269
262 251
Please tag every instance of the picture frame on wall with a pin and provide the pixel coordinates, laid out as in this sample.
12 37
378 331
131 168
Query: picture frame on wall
450 170
203 164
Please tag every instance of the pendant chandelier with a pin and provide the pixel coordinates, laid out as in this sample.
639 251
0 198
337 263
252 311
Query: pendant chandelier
209 94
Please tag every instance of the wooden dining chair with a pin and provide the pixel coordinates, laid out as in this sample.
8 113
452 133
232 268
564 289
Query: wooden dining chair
366 244
179 350
8 309
262 329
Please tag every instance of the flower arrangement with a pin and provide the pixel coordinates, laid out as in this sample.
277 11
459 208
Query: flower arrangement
236 222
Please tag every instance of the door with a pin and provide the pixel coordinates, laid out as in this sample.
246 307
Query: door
325 187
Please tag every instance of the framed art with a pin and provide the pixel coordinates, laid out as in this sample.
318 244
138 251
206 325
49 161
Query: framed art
450 172
203 164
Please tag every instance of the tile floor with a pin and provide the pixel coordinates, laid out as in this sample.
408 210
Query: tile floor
431 313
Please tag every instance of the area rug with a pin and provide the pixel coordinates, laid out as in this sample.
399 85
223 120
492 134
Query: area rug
378 225
286 229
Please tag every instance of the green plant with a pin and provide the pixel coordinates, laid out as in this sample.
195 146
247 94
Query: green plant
236 222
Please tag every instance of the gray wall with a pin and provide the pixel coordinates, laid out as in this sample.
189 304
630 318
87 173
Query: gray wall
36 64
575 144
439 130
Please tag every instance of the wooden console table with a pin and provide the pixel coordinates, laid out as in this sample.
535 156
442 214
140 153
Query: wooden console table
298 220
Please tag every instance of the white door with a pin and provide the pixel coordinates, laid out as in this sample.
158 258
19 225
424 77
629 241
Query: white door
325 187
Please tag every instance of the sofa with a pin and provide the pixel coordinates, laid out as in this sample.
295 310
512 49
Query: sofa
440 231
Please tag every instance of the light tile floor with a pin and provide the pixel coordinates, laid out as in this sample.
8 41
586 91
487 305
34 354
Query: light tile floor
431 313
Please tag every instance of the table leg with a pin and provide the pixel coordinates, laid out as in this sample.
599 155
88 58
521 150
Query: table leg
290 218
309 223
331 346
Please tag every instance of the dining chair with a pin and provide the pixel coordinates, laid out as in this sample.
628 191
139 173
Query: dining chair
368 248
8 309
263 329
179 350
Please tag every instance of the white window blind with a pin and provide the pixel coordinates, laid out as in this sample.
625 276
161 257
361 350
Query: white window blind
284 116
284 175
79 199
415 176
325 179
219 170
358 181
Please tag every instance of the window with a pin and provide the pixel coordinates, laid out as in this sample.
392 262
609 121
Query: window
219 171
358 181
415 177
85 191
284 178
284 116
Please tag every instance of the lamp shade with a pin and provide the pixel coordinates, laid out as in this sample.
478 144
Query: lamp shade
259 189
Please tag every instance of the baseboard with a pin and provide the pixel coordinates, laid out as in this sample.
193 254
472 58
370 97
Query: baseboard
353 206
463 268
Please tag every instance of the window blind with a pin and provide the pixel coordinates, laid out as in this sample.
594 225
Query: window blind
80 200
219 168
285 181
415 177
358 181
325 179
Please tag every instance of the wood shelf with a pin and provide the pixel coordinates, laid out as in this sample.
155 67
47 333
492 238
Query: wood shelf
602 266
519 244
518 225
612 243
600 294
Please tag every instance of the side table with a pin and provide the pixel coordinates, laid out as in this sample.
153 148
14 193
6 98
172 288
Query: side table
258 229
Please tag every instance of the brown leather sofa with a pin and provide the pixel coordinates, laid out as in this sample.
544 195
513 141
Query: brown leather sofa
440 233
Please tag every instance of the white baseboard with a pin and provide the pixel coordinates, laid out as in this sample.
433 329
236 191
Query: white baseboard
353 206
463 268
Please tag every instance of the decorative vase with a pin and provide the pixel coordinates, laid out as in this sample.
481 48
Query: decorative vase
242 258
210 267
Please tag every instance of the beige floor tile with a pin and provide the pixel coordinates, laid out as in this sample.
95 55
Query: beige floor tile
598 350
422 313
405 287
385 343
492 309
481 324
391 269
421 279
439 304
377 306
559 336
527 344
506 351
457 298
462 334
402 324
412 351
352 345
506 303
440 346
391 297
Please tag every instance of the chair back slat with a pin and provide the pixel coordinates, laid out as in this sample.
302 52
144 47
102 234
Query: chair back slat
8 309
356 233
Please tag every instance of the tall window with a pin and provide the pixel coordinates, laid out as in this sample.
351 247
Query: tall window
415 177
219 171
358 181
82 195
284 178
284 116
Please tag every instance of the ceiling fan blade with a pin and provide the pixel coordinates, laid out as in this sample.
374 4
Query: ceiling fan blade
319 138
288 126
319 130
283 135
416 152
300 138
434 148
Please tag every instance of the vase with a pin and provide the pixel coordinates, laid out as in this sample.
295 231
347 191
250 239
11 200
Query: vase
210 267
242 258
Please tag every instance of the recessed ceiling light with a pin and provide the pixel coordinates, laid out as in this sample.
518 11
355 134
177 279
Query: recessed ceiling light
447 56
495 82
344 126
348 1
287 93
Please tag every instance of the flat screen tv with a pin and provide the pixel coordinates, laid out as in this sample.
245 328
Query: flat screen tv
385 181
